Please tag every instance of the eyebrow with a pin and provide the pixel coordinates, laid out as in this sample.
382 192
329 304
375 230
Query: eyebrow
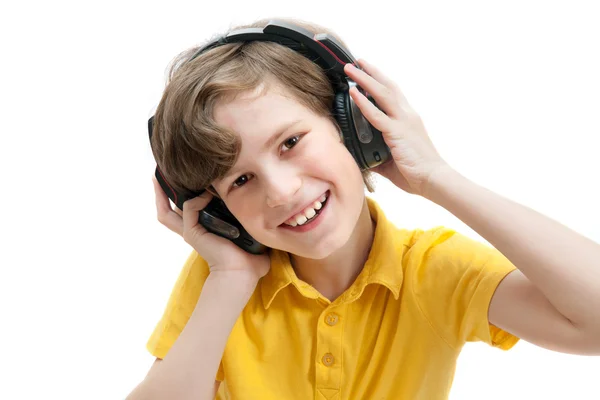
270 142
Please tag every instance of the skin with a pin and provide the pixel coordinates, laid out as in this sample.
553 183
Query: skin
267 185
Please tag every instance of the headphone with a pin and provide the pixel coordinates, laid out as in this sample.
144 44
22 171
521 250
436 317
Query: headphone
363 140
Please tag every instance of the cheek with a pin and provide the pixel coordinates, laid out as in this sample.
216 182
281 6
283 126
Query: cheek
244 210
331 152
252 221
336 158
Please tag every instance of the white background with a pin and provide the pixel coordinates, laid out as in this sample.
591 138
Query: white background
509 92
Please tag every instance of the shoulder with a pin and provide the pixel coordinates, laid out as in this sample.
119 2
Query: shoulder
442 263
180 304
452 277
445 248
187 288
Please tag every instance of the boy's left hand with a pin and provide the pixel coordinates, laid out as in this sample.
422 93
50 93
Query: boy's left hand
415 158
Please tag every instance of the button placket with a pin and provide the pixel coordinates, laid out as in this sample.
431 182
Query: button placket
329 349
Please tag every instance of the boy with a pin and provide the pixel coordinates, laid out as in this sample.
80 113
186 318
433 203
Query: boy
344 305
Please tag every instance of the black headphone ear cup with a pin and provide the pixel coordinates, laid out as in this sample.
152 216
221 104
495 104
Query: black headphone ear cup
341 110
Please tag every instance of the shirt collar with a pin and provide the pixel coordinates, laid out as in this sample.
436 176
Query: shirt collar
383 265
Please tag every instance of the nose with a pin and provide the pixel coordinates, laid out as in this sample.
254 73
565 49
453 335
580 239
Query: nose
281 186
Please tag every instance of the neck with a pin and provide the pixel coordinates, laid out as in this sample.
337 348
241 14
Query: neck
332 275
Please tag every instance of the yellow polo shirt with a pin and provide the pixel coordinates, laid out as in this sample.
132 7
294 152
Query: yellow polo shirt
395 333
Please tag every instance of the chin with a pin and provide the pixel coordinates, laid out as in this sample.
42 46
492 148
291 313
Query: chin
312 254
324 248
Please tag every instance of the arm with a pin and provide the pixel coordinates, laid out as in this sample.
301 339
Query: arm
189 369
553 299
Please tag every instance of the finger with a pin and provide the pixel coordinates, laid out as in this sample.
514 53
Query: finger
164 212
178 211
383 95
165 197
191 210
376 73
381 77
373 114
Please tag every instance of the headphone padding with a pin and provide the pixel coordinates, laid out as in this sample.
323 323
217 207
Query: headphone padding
341 109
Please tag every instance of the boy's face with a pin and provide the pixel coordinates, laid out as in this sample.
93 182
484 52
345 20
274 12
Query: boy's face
272 182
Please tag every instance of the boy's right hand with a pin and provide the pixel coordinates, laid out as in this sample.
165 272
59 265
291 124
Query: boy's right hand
222 255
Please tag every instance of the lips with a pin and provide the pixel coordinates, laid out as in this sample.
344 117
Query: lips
301 209
311 224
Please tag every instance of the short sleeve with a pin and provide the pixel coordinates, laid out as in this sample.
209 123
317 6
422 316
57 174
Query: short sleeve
456 280
181 304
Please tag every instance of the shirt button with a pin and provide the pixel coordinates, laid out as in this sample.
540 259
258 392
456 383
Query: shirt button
331 319
328 359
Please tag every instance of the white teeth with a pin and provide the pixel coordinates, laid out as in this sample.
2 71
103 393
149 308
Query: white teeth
307 213
300 219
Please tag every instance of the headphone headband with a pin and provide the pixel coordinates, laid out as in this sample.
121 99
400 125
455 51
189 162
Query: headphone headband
322 48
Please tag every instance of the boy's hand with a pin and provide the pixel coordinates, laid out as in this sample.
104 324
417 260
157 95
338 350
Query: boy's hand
415 158
221 254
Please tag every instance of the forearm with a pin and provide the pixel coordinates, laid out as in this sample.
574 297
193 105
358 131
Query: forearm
189 369
563 265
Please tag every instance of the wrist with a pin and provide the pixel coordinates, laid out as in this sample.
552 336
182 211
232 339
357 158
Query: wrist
238 281
438 181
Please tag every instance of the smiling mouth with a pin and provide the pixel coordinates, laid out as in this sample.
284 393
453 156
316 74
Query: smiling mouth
293 224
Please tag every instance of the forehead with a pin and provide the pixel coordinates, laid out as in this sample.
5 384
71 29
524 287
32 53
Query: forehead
257 114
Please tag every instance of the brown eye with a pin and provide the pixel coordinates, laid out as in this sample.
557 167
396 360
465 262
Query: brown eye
291 142
240 181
